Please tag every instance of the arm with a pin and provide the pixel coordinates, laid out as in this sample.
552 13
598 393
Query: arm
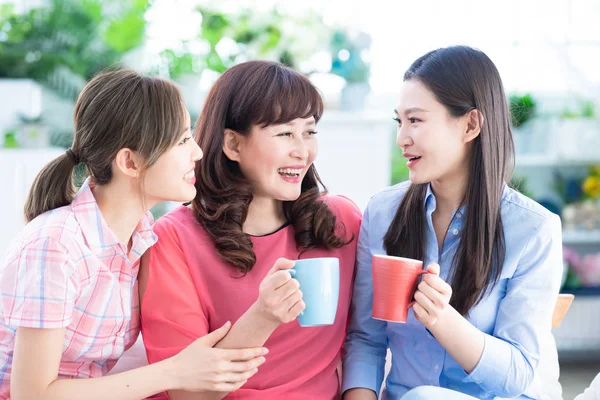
37 356
173 316
36 361
366 342
508 358
42 283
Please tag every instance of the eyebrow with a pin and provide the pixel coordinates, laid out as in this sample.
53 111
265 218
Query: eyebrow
409 110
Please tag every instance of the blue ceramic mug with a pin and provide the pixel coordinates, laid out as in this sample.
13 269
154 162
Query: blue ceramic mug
319 280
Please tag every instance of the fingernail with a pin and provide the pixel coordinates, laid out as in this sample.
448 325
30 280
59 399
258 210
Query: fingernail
265 351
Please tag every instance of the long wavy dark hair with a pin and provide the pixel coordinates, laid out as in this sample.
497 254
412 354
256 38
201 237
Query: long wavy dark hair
464 79
249 94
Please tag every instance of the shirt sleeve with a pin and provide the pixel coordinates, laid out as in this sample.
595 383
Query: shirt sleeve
366 343
511 355
38 286
172 316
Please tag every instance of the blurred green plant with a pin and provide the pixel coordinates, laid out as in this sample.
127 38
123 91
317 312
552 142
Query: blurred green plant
400 171
522 108
586 109
67 42
233 37
348 55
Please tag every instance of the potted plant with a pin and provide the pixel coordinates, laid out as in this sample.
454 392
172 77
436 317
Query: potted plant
522 109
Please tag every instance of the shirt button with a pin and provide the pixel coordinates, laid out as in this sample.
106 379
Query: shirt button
458 215
436 368
455 231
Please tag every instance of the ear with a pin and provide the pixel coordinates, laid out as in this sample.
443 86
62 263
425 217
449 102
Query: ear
474 124
231 145
128 163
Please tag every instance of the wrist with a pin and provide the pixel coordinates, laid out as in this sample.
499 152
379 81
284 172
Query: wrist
262 317
167 369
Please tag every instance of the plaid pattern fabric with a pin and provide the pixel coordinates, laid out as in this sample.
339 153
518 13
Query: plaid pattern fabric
68 269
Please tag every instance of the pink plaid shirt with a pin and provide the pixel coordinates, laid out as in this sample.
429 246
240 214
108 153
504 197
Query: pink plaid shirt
68 269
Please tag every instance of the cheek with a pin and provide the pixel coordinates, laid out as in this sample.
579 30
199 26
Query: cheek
313 150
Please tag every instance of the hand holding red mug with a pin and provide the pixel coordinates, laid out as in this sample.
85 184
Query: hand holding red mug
432 297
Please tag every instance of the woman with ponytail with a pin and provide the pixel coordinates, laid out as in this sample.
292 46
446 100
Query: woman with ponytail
259 204
69 299
477 326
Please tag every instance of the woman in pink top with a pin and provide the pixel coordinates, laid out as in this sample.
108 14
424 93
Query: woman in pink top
69 305
258 206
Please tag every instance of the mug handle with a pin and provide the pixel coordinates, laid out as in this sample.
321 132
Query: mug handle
293 272
424 271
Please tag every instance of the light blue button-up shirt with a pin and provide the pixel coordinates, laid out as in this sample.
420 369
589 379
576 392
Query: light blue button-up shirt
514 316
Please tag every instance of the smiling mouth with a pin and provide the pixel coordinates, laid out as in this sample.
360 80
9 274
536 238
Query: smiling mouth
289 172
414 158
189 175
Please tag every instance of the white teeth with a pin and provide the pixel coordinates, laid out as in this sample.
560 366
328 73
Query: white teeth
289 171
189 175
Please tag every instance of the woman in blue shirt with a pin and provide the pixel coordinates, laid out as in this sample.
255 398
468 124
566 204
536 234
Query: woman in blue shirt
500 253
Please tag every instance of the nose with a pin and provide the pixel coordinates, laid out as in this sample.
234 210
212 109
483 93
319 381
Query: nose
197 153
300 150
403 139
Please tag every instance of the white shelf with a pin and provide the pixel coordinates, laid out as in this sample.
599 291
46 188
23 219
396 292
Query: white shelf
571 236
550 160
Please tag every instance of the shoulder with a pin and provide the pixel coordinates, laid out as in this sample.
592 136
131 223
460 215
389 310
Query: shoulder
178 226
57 227
519 211
384 204
345 210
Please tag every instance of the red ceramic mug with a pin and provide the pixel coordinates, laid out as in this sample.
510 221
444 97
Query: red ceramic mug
394 284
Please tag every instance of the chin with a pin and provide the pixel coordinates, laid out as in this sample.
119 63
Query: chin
289 196
417 180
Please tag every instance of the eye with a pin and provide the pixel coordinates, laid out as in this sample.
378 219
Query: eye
397 120
414 120
310 133
288 134
185 140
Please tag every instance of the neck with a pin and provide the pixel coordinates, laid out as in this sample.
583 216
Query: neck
264 216
121 207
450 193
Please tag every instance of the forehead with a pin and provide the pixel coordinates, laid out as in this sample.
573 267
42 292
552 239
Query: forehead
413 94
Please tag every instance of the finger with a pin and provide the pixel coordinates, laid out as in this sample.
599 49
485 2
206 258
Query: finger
227 387
438 284
438 298
215 336
236 377
434 268
281 263
292 300
422 300
297 308
242 354
288 289
278 279
243 366
420 313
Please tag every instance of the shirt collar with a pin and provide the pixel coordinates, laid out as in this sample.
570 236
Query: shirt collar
98 235
430 201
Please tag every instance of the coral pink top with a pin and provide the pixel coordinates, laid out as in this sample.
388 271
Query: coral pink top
191 291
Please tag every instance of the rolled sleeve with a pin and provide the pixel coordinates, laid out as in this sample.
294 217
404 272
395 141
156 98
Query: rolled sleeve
38 286
510 356
366 343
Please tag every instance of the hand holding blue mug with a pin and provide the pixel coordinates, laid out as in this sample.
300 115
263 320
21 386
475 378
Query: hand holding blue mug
279 296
